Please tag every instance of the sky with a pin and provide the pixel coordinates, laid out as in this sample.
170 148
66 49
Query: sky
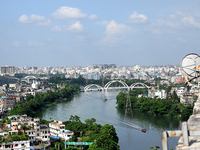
87 32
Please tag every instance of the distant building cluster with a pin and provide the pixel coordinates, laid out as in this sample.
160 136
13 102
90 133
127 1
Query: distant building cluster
170 73
13 90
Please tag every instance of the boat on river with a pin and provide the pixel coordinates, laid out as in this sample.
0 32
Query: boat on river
105 99
143 130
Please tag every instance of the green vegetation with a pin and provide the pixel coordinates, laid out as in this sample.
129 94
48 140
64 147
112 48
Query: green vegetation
170 107
22 75
79 81
40 101
15 137
104 137
155 148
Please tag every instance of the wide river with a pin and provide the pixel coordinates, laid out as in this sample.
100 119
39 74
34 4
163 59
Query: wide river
88 105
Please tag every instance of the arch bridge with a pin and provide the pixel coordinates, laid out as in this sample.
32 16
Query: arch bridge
138 85
88 87
108 86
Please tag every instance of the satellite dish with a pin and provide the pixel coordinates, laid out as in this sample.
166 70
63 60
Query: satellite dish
191 65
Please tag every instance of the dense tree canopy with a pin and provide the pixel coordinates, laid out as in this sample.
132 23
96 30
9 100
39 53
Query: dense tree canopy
104 137
33 104
168 107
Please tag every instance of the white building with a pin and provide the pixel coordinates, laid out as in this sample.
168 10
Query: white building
16 145
35 85
65 134
181 91
161 94
58 129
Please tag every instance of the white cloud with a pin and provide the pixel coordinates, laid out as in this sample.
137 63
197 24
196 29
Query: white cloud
174 22
181 40
189 20
16 43
138 18
178 20
66 12
179 13
166 23
154 31
34 43
93 17
115 32
34 20
113 28
81 38
56 28
76 27
172 16
48 39
102 23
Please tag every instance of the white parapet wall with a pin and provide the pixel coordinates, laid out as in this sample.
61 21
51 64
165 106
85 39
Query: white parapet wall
193 125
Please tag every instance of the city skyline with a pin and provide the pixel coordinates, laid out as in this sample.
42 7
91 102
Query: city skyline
82 33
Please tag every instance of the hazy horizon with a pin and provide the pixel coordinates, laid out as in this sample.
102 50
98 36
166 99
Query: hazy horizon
82 33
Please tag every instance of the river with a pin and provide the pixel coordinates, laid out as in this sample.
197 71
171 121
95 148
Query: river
88 105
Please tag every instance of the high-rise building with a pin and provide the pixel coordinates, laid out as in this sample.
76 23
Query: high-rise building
7 69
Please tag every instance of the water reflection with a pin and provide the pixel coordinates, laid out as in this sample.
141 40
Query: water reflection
147 120
88 105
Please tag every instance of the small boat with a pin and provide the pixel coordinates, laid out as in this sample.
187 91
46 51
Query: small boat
105 99
143 130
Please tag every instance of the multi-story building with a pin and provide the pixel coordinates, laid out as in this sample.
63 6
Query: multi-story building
181 90
8 102
16 145
187 98
37 132
7 70
55 127
58 129
158 93
161 94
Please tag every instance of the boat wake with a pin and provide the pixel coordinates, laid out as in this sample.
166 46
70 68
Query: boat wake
132 125
135 126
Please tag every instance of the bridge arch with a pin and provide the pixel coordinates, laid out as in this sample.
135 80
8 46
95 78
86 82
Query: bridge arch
119 81
90 85
135 84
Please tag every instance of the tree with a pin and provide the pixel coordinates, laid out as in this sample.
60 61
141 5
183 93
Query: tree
175 97
74 118
29 97
106 139
186 113
90 121
156 148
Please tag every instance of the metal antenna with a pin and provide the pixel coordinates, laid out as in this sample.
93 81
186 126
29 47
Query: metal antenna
103 87
102 80
128 109
86 81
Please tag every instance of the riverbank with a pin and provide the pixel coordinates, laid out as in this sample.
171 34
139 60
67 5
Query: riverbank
170 107
44 100
91 105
